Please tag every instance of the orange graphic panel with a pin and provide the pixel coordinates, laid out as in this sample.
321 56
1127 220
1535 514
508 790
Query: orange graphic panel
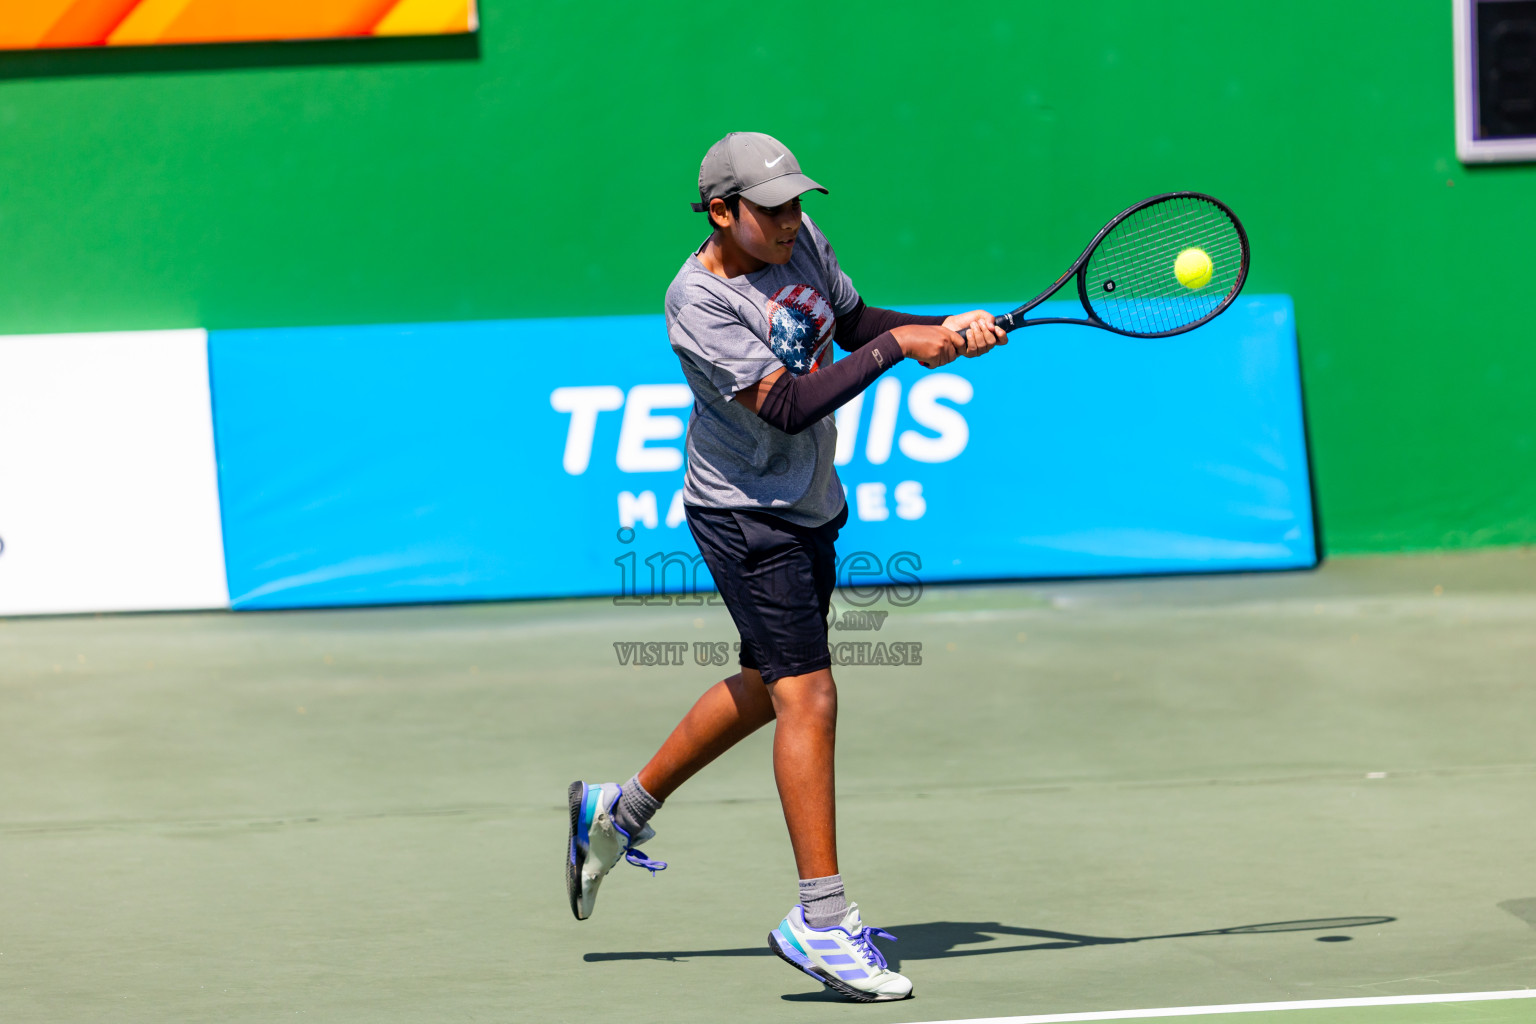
24 23
87 22
30 24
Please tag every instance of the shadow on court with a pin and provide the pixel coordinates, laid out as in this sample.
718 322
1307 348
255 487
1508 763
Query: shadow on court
940 940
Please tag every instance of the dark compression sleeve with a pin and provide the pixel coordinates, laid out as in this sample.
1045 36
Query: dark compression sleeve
866 323
794 403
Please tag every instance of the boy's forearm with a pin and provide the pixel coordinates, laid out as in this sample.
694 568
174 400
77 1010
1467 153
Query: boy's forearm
866 323
794 403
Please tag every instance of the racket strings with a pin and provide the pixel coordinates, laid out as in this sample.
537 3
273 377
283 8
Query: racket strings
1140 253
1147 297
1134 245
1136 262
1144 255
1152 271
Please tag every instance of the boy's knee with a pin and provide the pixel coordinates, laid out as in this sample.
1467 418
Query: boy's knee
813 695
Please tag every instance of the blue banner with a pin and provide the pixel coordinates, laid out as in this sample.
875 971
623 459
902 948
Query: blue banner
538 458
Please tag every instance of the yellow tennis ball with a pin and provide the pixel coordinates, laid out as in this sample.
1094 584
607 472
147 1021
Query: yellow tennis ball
1193 269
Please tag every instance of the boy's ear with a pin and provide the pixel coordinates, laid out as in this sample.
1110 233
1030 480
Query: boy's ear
719 213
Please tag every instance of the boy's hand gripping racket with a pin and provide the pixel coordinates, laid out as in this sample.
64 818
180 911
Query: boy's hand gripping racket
1163 267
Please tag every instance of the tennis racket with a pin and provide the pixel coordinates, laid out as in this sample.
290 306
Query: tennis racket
1165 266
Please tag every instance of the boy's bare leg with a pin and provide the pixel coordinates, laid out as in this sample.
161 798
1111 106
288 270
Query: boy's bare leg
726 714
803 745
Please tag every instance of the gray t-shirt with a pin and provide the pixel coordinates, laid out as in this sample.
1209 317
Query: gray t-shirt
730 333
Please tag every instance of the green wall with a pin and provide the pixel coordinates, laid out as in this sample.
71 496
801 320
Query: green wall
971 149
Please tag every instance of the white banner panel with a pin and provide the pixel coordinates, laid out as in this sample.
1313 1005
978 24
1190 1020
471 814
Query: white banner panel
109 496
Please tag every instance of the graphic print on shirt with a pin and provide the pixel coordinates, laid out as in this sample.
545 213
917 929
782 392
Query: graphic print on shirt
799 324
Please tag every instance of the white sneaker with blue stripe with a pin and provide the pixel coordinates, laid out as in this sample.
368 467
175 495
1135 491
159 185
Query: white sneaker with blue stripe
841 957
597 842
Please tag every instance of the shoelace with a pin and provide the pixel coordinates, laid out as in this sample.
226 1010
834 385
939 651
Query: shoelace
640 860
635 856
870 951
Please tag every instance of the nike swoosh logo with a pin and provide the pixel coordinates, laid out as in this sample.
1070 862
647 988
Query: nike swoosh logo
775 160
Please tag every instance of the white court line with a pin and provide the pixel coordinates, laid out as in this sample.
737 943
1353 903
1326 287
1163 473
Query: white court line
1199 1011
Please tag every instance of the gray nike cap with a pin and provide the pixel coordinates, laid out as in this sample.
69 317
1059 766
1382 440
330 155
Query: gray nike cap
755 165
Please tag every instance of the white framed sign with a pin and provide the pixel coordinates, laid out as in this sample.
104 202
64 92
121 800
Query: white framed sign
1495 62
109 494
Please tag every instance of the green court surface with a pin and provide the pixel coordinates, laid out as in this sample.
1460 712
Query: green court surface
1079 801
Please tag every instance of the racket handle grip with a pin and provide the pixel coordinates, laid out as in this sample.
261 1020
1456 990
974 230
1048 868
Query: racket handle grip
1005 322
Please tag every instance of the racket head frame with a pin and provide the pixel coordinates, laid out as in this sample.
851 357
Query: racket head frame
1015 320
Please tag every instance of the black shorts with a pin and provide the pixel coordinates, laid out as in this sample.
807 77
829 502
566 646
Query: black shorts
777 580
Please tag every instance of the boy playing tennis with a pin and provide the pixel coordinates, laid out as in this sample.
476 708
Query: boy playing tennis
750 316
